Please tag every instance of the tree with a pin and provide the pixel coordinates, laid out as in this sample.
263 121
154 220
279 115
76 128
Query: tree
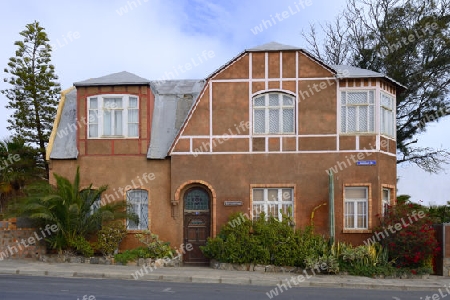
440 213
75 211
18 163
409 41
17 167
34 91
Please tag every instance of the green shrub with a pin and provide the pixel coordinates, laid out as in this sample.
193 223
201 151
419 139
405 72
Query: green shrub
81 246
264 241
324 262
125 257
364 260
156 248
110 236
236 243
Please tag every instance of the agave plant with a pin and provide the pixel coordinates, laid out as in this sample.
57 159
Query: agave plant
76 212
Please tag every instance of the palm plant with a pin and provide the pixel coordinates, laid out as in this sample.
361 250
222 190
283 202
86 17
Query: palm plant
75 211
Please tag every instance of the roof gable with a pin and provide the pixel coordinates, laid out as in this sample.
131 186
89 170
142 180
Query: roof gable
273 46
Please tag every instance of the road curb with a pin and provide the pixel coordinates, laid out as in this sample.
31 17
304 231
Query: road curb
222 280
202 279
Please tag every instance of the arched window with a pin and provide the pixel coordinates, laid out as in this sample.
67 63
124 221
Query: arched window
273 113
196 199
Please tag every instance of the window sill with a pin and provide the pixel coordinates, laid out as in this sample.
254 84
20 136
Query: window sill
357 133
273 134
356 231
117 137
388 136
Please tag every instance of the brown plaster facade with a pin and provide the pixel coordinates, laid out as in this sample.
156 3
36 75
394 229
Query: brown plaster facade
218 151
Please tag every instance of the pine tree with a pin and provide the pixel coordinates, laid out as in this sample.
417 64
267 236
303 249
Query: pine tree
34 90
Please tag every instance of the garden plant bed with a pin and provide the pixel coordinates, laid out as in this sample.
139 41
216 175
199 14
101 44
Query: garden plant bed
100 260
250 267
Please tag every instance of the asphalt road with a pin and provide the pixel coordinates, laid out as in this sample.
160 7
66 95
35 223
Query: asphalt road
48 288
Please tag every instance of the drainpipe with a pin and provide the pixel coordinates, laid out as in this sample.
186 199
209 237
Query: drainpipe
331 205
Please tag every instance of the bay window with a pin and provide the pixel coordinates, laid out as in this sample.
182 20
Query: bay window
358 111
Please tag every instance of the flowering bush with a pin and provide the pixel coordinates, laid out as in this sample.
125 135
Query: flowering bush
409 235
110 236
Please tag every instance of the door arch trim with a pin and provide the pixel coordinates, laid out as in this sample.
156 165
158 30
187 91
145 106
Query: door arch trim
192 183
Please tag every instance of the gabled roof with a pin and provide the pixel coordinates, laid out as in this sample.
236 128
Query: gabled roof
339 71
174 100
121 78
273 46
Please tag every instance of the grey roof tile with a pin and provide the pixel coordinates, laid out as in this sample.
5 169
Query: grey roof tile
173 102
65 142
273 46
355 72
121 78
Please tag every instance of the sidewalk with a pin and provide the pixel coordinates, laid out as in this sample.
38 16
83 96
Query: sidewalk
209 275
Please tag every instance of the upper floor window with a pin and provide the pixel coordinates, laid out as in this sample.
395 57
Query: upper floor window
113 116
387 115
357 111
273 113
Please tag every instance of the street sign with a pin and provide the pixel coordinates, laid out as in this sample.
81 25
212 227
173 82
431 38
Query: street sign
366 162
232 203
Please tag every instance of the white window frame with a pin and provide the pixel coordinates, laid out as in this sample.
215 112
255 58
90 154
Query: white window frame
387 115
385 202
369 104
98 112
142 210
267 108
354 202
265 203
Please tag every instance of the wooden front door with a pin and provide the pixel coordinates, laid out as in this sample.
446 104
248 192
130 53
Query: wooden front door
197 224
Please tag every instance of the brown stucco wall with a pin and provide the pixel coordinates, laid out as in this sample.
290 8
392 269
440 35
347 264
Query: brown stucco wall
231 177
88 146
121 173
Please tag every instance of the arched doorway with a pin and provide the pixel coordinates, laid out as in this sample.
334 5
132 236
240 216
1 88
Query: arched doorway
196 224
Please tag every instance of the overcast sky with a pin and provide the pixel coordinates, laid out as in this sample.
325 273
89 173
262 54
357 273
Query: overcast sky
150 38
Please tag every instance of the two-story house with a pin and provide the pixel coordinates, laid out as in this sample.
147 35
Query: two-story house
260 134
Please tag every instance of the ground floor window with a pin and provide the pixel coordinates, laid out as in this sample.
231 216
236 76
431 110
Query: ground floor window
138 201
273 202
356 207
386 200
